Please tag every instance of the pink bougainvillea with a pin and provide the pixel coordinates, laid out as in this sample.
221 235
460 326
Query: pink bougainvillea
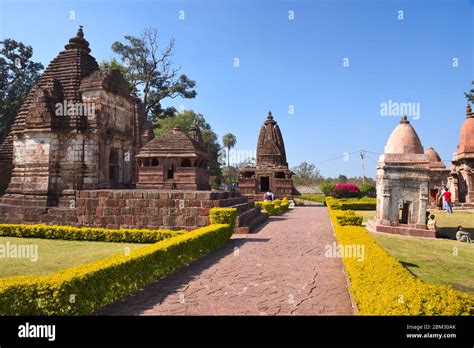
346 191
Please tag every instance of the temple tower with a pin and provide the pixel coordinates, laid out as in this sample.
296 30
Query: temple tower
461 180
271 171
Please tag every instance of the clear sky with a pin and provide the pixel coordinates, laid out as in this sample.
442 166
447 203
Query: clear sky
333 62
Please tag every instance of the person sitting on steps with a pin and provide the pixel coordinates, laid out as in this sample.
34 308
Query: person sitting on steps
431 224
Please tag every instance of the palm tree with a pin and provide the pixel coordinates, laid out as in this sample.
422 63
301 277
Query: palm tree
229 140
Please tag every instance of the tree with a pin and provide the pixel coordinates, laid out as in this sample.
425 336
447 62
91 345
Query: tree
470 95
184 120
18 74
342 179
247 163
306 174
230 174
229 140
151 72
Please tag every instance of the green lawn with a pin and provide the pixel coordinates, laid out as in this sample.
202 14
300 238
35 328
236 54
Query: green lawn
433 260
55 255
448 223
367 214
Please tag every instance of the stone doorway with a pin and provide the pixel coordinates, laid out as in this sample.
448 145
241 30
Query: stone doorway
462 189
113 166
405 213
170 174
264 183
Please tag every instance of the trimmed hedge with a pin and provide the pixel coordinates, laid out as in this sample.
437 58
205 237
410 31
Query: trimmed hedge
223 216
85 233
349 218
85 288
275 207
364 203
382 286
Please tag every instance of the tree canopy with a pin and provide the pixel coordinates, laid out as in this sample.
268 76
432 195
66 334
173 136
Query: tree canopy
18 74
150 72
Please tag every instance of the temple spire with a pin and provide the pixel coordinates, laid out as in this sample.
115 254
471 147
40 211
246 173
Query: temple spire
404 119
469 111
78 42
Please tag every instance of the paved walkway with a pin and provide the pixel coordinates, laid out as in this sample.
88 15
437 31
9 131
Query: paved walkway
280 270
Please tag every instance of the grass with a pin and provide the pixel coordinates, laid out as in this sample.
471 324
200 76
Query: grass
448 223
436 261
55 255
313 197
367 214
432 260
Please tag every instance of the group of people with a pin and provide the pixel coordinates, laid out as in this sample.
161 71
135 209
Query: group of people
443 199
461 234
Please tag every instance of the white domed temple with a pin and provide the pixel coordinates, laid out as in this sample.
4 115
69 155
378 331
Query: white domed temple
403 176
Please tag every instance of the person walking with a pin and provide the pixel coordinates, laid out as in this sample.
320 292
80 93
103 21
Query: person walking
447 201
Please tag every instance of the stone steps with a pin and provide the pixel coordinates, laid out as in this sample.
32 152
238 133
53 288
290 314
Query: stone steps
249 218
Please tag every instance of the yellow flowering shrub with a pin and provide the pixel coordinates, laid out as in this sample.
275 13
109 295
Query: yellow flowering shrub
82 289
87 287
275 207
126 235
223 216
382 286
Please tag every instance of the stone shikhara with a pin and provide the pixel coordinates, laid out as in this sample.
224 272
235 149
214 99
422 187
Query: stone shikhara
271 171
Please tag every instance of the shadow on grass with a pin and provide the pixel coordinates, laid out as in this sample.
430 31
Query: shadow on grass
408 264
450 232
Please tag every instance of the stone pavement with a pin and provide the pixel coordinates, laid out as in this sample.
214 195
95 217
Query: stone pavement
280 270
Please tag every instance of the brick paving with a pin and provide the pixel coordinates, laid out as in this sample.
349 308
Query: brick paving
280 270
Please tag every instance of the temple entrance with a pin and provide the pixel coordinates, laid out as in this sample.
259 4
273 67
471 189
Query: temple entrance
405 213
264 183
462 188
170 174
433 195
113 166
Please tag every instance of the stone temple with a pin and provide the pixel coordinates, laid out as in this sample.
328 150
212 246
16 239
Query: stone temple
271 171
81 152
79 128
174 161
403 176
438 174
461 180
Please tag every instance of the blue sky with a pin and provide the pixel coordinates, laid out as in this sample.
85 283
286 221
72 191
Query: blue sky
286 63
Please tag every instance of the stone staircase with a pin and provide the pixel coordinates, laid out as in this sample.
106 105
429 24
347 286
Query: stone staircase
249 216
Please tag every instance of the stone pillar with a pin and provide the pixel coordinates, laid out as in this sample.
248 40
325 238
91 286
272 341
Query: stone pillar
422 205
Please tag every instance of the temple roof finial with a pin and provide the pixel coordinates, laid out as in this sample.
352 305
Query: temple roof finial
78 41
469 110
80 33
270 116
404 119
